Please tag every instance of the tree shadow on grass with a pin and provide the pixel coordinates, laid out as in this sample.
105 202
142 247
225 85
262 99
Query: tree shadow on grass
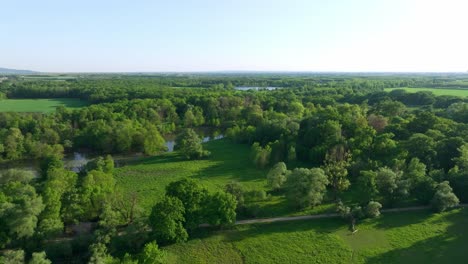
394 219
445 247
319 226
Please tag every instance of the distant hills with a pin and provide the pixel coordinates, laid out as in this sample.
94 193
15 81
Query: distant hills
14 71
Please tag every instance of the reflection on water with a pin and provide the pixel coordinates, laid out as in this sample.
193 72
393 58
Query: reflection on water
171 143
76 161
255 88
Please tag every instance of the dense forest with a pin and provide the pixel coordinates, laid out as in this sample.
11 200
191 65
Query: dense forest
316 136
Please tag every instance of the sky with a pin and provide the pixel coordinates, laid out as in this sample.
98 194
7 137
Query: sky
234 35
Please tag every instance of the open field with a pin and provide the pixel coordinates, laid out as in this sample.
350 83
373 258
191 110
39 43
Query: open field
436 91
228 162
406 237
38 105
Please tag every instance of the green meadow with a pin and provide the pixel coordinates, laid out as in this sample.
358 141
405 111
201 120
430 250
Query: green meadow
406 237
436 91
39 105
228 162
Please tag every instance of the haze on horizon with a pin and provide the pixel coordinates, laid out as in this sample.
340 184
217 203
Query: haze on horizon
256 35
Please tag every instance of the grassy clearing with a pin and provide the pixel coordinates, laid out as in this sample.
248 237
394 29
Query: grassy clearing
436 91
39 105
406 237
228 162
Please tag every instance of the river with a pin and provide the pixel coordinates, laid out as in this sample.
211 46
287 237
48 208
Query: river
76 160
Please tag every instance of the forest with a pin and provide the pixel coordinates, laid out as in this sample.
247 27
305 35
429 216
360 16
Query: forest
354 145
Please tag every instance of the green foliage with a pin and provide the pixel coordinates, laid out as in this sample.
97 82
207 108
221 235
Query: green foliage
97 187
277 176
260 155
12 257
373 209
220 209
39 258
335 167
236 190
367 186
189 144
192 196
444 198
391 185
152 254
20 207
306 187
167 220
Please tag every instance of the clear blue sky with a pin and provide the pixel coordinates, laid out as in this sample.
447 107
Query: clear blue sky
215 35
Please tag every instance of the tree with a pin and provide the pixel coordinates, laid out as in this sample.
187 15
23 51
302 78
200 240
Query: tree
100 255
153 141
462 160
97 187
260 155
422 187
20 207
277 176
12 257
167 219
367 186
306 187
336 163
59 182
351 214
192 195
236 190
391 185
39 258
373 209
190 145
152 254
220 209
444 197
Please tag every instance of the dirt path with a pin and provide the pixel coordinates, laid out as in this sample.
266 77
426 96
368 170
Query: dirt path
319 216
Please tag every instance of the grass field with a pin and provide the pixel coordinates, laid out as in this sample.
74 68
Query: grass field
38 105
228 162
406 237
436 91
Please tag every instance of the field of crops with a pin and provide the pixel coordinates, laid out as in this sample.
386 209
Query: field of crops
406 237
436 91
39 105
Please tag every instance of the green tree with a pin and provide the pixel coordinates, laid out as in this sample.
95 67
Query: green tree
260 155
335 167
20 207
39 258
391 185
306 187
277 176
190 145
152 254
12 257
373 209
167 220
97 187
444 197
367 186
220 209
192 195
236 190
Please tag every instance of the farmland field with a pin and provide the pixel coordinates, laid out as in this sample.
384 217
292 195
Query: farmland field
38 105
436 91
406 237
